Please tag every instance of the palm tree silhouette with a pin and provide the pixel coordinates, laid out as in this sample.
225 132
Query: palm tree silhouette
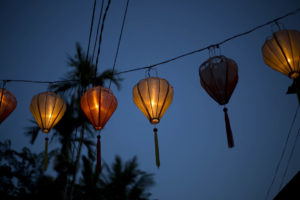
22 178
122 181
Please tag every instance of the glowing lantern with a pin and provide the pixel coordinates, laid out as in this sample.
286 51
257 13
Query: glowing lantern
153 96
218 77
98 104
8 103
47 108
282 53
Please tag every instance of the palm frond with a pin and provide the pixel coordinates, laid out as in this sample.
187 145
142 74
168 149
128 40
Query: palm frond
32 131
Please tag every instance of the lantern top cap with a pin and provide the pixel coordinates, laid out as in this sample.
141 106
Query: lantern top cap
100 87
282 31
215 60
156 78
48 93
8 93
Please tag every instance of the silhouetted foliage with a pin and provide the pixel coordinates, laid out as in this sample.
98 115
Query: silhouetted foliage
22 178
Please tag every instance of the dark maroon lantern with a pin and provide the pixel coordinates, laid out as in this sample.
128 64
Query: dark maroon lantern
218 77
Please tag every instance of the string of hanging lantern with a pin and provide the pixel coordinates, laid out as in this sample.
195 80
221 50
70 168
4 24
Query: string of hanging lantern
153 95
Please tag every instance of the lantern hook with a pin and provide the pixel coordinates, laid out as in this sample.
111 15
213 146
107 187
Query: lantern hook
278 26
212 50
4 84
50 86
148 71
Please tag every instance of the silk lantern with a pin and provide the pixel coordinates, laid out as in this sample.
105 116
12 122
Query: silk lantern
153 96
47 108
98 104
282 53
8 103
218 77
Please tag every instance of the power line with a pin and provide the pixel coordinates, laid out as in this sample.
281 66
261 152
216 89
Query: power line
98 26
213 45
174 58
282 153
289 160
91 30
101 32
119 42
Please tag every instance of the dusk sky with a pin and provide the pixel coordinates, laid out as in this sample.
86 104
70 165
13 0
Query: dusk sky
36 38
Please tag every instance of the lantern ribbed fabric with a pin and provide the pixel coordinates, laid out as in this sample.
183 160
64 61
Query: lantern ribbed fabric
218 77
47 108
8 103
282 52
153 96
98 104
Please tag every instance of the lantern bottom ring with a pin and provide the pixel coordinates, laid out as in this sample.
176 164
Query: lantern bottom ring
154 120
45 130
294 74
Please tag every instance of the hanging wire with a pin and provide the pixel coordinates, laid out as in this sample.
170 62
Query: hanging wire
2 92
91 30
289 160
101 33
217 44
97 33
171 59
119 42
4 84
282 153
34 81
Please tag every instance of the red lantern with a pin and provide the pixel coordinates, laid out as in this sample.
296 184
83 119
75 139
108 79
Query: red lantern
8 103
98 104
218 77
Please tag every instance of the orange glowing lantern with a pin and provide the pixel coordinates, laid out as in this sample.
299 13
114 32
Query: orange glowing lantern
153 96
98 104
218 77
282 53
8 103
47 108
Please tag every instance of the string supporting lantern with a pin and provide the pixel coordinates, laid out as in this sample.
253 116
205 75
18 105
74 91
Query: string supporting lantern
98 104
153 96
282 53
47 108
218 77
8 103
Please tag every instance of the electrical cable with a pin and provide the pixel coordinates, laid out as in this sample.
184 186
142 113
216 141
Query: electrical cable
289 160
91 30
98 26
171 59
101 33
119 42
213 45
282 153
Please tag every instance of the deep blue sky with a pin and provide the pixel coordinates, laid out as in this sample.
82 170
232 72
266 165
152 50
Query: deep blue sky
36 37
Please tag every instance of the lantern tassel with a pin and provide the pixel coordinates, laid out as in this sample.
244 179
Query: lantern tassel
228 130
46 154
98 154
156 148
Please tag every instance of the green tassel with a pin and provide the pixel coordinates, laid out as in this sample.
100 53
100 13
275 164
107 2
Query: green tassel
46 154
156 148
